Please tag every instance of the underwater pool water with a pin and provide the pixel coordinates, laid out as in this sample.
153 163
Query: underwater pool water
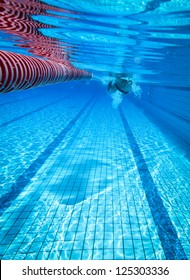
80 177
82 180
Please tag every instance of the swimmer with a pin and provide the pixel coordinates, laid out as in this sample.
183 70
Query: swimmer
118 88
119 84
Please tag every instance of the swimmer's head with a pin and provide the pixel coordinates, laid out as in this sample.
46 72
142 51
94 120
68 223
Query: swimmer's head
123 85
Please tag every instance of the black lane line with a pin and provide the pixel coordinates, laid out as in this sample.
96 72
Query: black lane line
168 236
32 112
25 178
32 96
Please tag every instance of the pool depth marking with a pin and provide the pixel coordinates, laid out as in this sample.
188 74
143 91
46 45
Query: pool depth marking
28 174
168 236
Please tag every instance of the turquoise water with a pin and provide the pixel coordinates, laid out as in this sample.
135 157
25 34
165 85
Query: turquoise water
81 179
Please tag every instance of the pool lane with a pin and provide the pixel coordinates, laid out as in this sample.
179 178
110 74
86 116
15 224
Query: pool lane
88 195
167 233
30 113
28 174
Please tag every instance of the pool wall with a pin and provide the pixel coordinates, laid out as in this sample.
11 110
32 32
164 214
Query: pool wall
169 106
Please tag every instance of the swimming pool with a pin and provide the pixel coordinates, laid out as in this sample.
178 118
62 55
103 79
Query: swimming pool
82 180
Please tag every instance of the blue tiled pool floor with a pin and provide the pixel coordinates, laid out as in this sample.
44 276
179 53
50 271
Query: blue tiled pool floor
108 185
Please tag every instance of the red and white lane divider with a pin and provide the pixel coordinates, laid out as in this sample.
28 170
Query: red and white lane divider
18 72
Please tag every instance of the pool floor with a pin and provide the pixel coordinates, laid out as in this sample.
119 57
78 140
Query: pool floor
81 180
